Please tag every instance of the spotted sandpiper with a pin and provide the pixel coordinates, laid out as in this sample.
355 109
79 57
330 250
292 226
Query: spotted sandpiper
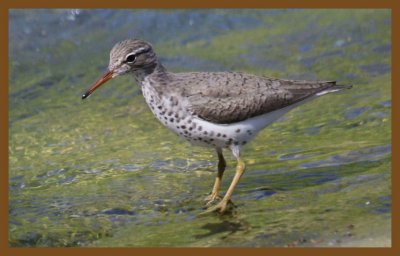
212 109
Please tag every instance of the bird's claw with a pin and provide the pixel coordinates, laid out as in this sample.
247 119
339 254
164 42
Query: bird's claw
211 199
220 207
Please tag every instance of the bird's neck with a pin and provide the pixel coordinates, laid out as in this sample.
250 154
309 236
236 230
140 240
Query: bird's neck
156 69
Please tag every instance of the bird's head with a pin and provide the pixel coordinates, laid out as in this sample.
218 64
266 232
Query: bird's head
128 56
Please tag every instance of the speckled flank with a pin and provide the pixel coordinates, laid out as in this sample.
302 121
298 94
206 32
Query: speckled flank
201 132
197 131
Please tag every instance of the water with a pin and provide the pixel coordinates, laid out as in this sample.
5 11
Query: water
103 172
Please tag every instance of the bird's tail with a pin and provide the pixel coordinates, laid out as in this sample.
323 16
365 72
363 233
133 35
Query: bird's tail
334 88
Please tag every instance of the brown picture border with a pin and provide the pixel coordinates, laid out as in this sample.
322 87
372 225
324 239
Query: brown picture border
5 5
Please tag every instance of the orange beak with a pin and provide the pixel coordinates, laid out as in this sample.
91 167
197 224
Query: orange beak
107 76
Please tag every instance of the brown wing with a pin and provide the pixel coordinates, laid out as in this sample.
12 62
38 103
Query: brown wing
232 97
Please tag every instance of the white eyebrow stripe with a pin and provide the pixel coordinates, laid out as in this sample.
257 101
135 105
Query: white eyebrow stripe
141 49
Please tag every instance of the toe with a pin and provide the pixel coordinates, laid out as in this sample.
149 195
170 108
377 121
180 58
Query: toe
220 208
211 199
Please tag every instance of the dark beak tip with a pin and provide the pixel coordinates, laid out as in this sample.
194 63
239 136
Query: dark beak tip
85 95
103 79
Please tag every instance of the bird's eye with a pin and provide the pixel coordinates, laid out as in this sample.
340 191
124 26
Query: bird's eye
130 58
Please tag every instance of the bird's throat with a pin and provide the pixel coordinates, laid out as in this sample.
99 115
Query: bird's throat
152 70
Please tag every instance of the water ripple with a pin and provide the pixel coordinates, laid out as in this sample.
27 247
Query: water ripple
365 154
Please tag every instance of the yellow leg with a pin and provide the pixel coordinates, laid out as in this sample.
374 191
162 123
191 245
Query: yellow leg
221 206
221 168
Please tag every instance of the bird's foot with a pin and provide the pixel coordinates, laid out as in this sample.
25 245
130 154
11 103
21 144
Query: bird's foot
220 207
211 199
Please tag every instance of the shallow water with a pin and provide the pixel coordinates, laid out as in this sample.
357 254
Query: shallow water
103 172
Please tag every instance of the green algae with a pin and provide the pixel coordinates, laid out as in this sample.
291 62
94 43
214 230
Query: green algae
103 172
